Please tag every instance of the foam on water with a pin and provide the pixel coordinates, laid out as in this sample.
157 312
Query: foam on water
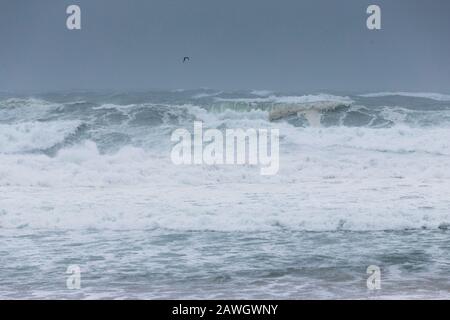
88 179
367 184
331 177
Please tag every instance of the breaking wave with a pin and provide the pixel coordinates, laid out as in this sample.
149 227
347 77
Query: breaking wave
92 160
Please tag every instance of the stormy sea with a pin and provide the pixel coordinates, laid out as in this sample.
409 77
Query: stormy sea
86 179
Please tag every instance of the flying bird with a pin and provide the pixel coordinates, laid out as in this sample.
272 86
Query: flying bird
185 59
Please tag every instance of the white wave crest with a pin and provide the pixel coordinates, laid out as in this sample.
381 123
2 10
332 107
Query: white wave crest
29 136
290 99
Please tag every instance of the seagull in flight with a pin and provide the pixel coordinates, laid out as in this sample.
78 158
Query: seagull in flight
185 59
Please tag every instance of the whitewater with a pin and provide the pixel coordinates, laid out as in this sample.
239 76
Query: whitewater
87 179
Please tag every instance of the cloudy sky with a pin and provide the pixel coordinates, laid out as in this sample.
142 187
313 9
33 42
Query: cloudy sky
286 45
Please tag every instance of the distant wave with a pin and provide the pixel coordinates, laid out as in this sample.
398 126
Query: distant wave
39 125
261 93
205 95
432 96
290 99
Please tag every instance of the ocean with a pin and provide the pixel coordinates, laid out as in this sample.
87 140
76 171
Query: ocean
86 179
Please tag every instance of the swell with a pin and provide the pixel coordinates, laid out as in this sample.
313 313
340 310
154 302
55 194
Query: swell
146 121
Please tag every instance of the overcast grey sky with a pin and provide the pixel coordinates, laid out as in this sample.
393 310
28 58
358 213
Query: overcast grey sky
301 45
